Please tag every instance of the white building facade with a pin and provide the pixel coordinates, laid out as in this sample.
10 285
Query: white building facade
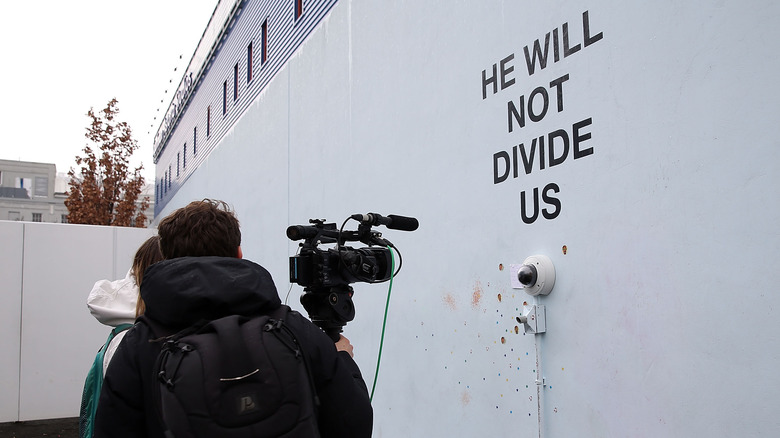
27 192
36 192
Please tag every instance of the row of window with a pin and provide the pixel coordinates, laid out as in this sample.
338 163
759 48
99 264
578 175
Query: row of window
39 189
249 69
162 187
36 217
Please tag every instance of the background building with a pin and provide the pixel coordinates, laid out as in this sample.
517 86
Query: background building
245 45
36 192
27 192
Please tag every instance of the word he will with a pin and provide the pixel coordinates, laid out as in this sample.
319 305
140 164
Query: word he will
547 150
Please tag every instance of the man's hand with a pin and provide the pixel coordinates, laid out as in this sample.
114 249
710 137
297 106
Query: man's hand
344 345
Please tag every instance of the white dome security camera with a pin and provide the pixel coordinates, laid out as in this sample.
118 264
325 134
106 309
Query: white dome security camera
536 275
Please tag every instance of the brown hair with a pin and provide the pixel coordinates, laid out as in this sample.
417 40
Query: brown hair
202 228
146 255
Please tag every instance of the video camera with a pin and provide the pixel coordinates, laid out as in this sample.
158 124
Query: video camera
326 274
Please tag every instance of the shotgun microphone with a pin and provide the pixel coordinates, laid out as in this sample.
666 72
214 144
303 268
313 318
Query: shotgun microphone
392 221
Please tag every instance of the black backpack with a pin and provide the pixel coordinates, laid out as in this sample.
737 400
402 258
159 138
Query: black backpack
236 376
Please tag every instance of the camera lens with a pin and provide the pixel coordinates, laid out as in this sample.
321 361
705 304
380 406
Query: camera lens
527 275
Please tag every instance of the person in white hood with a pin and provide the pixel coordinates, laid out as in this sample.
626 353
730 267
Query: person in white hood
117 302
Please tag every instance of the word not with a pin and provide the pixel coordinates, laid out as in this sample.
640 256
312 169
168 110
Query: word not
539 55
558 143
513 114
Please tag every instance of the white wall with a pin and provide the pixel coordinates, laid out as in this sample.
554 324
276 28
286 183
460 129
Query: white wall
663 320
49 337
11 234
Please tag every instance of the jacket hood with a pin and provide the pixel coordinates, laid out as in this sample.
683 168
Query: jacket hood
113 302
182 291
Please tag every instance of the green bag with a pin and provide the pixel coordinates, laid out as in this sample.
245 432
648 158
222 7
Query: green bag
92 386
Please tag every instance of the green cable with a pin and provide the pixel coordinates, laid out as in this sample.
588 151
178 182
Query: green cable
384 323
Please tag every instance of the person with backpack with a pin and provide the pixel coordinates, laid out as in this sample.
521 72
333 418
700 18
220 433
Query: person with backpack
116 304
217 354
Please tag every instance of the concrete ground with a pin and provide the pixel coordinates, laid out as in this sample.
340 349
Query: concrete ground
59 428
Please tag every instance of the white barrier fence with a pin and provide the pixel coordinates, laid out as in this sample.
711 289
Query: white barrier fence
48 337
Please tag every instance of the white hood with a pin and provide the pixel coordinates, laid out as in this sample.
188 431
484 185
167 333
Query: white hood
113 302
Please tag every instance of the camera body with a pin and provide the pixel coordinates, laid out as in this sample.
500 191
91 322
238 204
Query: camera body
327 272
326 268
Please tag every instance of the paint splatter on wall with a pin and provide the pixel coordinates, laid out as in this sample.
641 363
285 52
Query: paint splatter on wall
476 296
476 343
449 300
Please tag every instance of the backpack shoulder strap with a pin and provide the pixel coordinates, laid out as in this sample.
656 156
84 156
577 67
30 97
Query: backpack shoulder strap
117 330
276 324
93 384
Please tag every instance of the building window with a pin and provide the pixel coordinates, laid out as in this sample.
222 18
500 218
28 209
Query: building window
41 186
64 218
235 82
208 121
37 217
26 184
14 216
178 161
224 98
298 8
184 153
195 139
264 42
249 63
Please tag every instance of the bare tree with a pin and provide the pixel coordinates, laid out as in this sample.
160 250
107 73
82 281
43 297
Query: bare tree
106 192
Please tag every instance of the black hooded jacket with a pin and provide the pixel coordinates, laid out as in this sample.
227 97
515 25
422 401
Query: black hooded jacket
183 291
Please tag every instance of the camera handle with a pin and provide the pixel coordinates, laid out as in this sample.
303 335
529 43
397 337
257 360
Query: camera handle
329 308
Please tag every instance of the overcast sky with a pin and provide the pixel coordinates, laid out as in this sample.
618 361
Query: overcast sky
61 58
